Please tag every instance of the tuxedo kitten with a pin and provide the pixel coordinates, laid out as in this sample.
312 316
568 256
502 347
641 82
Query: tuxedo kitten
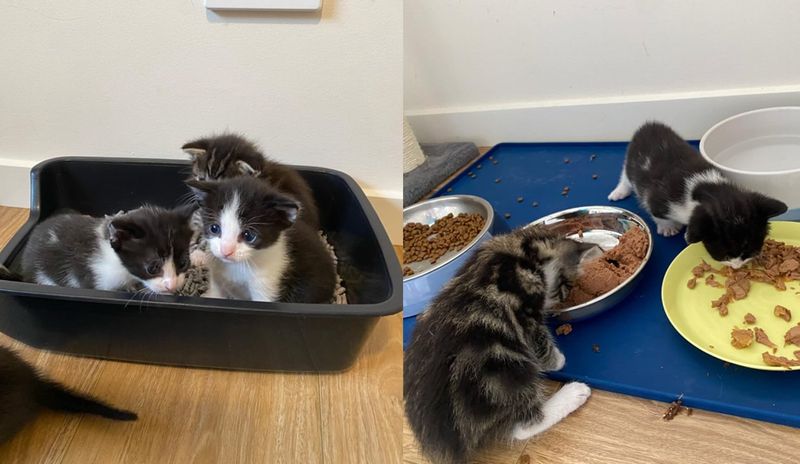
261 252
473 368
231 155
147 246
678 187
23 392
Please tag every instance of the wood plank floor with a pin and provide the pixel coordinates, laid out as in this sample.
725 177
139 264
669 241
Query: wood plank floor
211 416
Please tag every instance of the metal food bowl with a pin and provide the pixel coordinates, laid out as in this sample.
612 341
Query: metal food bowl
429 278
602 225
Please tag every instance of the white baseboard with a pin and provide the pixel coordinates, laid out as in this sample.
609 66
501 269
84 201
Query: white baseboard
597 119
15 191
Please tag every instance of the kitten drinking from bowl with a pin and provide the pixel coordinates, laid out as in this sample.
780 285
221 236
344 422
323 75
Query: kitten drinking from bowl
261 251
678 187
147 247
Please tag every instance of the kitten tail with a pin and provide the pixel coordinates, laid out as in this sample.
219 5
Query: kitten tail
59 398
7 274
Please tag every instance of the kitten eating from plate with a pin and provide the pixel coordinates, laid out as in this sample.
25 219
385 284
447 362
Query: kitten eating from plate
678 187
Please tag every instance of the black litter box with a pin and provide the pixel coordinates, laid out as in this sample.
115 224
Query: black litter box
194 331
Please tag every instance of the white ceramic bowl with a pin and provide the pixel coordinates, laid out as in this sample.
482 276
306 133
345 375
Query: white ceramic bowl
760 150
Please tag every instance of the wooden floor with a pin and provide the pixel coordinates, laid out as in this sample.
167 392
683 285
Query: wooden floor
612 428
210 416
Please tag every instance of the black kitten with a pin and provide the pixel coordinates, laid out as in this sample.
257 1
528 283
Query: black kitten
262 252
678 187
23 392
472 372
231 155
147 246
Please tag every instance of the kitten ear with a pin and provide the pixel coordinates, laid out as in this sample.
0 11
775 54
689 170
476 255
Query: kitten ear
201 189
121 230
246 169
196 148
288 206
770 207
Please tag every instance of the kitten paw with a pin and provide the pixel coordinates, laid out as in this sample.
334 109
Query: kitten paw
571 397
668 230
620 193
557 360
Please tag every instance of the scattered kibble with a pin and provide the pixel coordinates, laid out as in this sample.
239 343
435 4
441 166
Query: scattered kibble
449 189
566 161
535 204
494 161
594 176
593 157
470 173
478 166
520 199
596 348
507 215
564 329
491 157
497 181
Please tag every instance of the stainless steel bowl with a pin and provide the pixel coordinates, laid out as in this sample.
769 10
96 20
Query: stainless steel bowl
429 278
602 225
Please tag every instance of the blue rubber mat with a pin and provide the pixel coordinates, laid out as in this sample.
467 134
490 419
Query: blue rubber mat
640 353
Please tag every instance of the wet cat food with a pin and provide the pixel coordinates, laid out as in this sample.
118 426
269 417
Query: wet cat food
783 313
749 319
741 338
762 338
609 270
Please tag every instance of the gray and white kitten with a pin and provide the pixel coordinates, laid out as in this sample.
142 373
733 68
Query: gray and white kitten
261 252
678 187
473 369
24 392
148 246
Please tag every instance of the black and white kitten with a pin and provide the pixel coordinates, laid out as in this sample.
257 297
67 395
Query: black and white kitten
678 187
147 246
230 155
23 393
472 372
261 251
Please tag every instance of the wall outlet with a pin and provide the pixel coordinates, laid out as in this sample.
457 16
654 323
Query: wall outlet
286 5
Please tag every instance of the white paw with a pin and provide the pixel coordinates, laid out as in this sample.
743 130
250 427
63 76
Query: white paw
558 360
199 258
522 432
571 397
668 231
619 193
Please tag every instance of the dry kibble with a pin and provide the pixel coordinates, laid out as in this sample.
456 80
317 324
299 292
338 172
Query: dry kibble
429 243
566 161
478 166
564 329
535 204
497 181
507 215
593 157
594 176
520 199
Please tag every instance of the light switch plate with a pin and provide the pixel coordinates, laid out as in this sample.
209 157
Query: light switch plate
301 5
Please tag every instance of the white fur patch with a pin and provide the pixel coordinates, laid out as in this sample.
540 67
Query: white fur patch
563 402
262 272
682 212
107 269
227 246
43 279
72 281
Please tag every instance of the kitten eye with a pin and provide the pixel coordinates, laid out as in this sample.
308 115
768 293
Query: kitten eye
214 229
249 236
153 268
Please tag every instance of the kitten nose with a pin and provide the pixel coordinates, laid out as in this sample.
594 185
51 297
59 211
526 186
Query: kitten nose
170 284
228 249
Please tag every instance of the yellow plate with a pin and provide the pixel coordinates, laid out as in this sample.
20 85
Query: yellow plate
691 314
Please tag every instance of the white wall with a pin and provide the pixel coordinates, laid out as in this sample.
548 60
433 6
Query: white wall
129 78
491 71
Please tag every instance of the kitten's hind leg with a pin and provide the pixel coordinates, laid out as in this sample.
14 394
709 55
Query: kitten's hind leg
560 405
667 227
623 189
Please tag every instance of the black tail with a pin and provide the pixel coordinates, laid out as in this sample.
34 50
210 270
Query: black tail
7 274
59 398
